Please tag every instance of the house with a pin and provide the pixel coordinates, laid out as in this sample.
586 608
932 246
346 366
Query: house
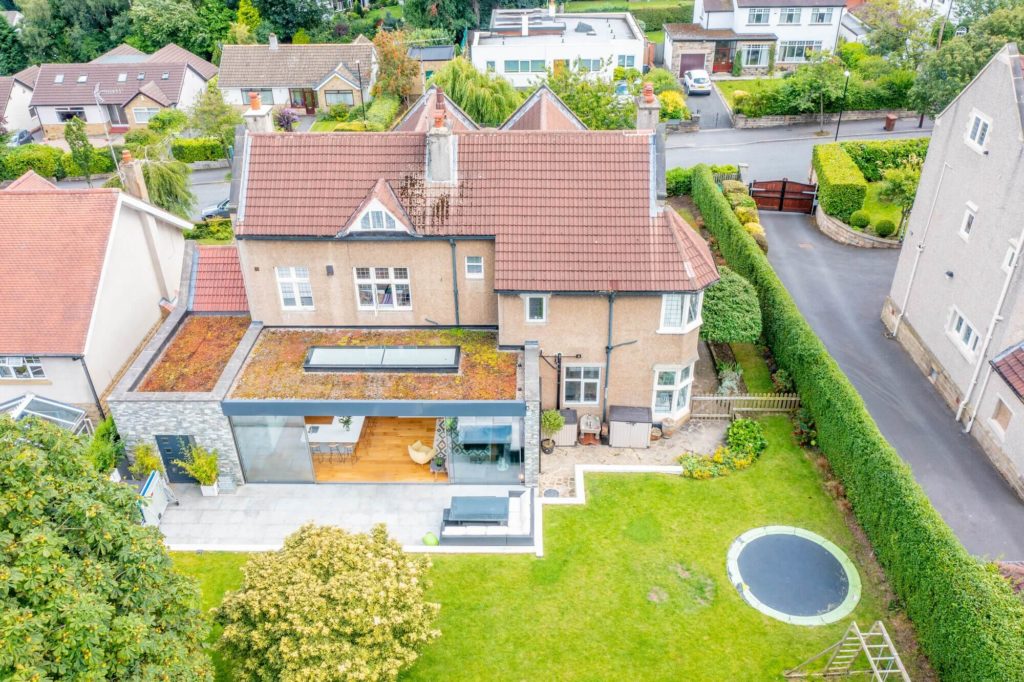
521 45
86 270
16 98
305 77
957 300
543 110
430 58
441 285
120 90
723 29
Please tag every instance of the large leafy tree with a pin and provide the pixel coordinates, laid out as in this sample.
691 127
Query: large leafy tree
452 15
731 312
72 31
593 100
900 29
86 591
818 81
330 605
82 151
158 22
288 16
970 11
488 99
396 70
12 52
211 116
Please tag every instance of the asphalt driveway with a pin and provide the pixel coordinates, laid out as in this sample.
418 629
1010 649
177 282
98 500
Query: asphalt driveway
840 290
713 114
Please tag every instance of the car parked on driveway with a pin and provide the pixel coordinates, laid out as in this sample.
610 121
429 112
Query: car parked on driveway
697 82
19 137
216 211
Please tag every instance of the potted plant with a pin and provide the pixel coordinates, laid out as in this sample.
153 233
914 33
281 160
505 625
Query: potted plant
551 422
146 460
201 464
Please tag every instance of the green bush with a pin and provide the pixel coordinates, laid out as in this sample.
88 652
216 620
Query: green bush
734 187
968 620
677 181
746 435
102 162
41 158
747 214
731 312
860 218
885 227
663 80
190 150
655 17
741 201
105 448
336 112
141 137
216 228
788 96
841 185
382 111
874 157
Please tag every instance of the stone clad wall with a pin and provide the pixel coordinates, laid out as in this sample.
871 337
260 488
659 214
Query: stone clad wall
839 231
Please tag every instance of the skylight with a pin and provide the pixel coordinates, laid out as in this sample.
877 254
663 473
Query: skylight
141 76
165 75
122 77
382 359
83 78
59 78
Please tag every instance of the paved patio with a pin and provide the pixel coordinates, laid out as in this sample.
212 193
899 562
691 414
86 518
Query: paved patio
258 517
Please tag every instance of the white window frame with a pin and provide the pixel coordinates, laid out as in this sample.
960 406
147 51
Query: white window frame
378 284
376 220
290 280
956 327
583 381
545 300
762 50
690 316
32 365
682 385
978 126
804 46
786 14
589 65
996 426
471 267
147 113
821 16
970 218
345 98
266 95
627 61
758 12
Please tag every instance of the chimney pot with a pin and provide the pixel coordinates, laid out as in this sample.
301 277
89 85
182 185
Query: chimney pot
126 156
272 38
648 92
254 101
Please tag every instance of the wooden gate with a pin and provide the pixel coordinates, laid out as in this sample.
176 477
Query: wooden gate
784 195
734 406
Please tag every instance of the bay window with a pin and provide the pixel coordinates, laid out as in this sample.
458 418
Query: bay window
797 50
680 313
671 391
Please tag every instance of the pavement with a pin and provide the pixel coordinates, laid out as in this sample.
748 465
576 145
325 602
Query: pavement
840 290
775 153
210 187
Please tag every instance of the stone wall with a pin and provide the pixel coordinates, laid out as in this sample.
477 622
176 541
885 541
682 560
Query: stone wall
688 47
742 121
839 231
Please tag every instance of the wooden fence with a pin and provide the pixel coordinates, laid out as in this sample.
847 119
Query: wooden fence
733 406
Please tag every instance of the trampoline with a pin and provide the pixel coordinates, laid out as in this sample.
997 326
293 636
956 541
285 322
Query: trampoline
793 575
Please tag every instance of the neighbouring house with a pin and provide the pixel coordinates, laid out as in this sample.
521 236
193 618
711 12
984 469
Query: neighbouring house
430 58
758 31
16 98
90 268
120 90
957 300
521 45
418 297
304 77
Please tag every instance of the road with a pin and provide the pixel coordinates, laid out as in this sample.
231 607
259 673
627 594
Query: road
209 186
774 153
840 290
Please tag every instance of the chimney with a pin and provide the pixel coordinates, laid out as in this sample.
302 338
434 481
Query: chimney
273 41
131 177
258 116
648 109
442 148
525 24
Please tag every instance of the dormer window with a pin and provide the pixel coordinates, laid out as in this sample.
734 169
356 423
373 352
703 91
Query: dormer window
59 78
122 77
377 220
83 78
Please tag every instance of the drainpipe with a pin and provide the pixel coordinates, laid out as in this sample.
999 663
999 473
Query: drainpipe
920 250
558 381
997 317
608 356
92 387
455 281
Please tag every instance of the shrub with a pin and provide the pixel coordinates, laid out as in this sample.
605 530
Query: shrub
141 137
168 121
783 381
105 447
804 432
551 422
885 227
739 95
874 157
841 185
860 218
43 159
677 181
330 605
200 464
100 162
285 119
747 214
382 111
746 435
756 231
190 150
741 200
734 187
673 106
720 463
336 112
658 16
663 80
731 310
215 228
969 622
146 460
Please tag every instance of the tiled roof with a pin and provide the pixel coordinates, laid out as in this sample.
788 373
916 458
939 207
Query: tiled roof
218 285
384 193
420 115
112 90
696 32
1010 366
543 110
6 85
30 180
122 54
28 76
570 211
292 65
717 5
54 247
150 90
174 53
432 53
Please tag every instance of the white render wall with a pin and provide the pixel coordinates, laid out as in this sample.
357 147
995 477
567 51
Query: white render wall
65 381
192 86
234 96
17 114
93 114
805 30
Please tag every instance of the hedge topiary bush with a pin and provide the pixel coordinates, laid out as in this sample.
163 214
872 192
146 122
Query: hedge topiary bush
677 181
102 162
874 157
191 150
734 187
860 218
756 230
731 311
41 158
656 17
969 622
885 227
747 214
841 185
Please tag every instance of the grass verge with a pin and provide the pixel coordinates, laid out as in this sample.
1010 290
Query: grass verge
755 370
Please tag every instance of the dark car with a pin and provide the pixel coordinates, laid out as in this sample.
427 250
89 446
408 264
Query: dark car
217 211
19 137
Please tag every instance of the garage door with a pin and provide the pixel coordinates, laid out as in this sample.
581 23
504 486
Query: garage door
691 61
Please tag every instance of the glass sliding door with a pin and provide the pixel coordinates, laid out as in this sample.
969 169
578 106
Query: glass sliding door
484 449
273 449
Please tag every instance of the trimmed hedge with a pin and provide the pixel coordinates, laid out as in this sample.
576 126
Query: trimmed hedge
102 162
969 622
190 150
43 159
841 185
382 111
677 180
655 17
875 157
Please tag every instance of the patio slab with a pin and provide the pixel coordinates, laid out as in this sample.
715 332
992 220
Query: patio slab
259 516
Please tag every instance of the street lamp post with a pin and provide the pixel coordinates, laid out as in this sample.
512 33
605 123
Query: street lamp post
843 104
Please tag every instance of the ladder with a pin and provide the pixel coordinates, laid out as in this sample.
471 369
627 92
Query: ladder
869 653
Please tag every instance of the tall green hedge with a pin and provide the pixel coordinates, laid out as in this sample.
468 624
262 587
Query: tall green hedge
841 185
969 622
873 157
190 150
49 162
655 17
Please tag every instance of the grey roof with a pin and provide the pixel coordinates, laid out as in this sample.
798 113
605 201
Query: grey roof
696 32
718 5
6 85
122 54
299 66
113 90
28 76
432 53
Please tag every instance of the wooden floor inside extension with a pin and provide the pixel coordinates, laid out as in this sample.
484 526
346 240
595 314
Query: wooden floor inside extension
382 454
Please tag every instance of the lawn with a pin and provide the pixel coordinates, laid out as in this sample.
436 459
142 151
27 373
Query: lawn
323 126
729 88
877 208
755 371
656 36
632 585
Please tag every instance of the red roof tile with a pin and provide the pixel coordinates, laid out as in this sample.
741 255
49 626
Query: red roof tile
31 180
569 211
543 110
420 117
173 53
218 286
1010 366
54 246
